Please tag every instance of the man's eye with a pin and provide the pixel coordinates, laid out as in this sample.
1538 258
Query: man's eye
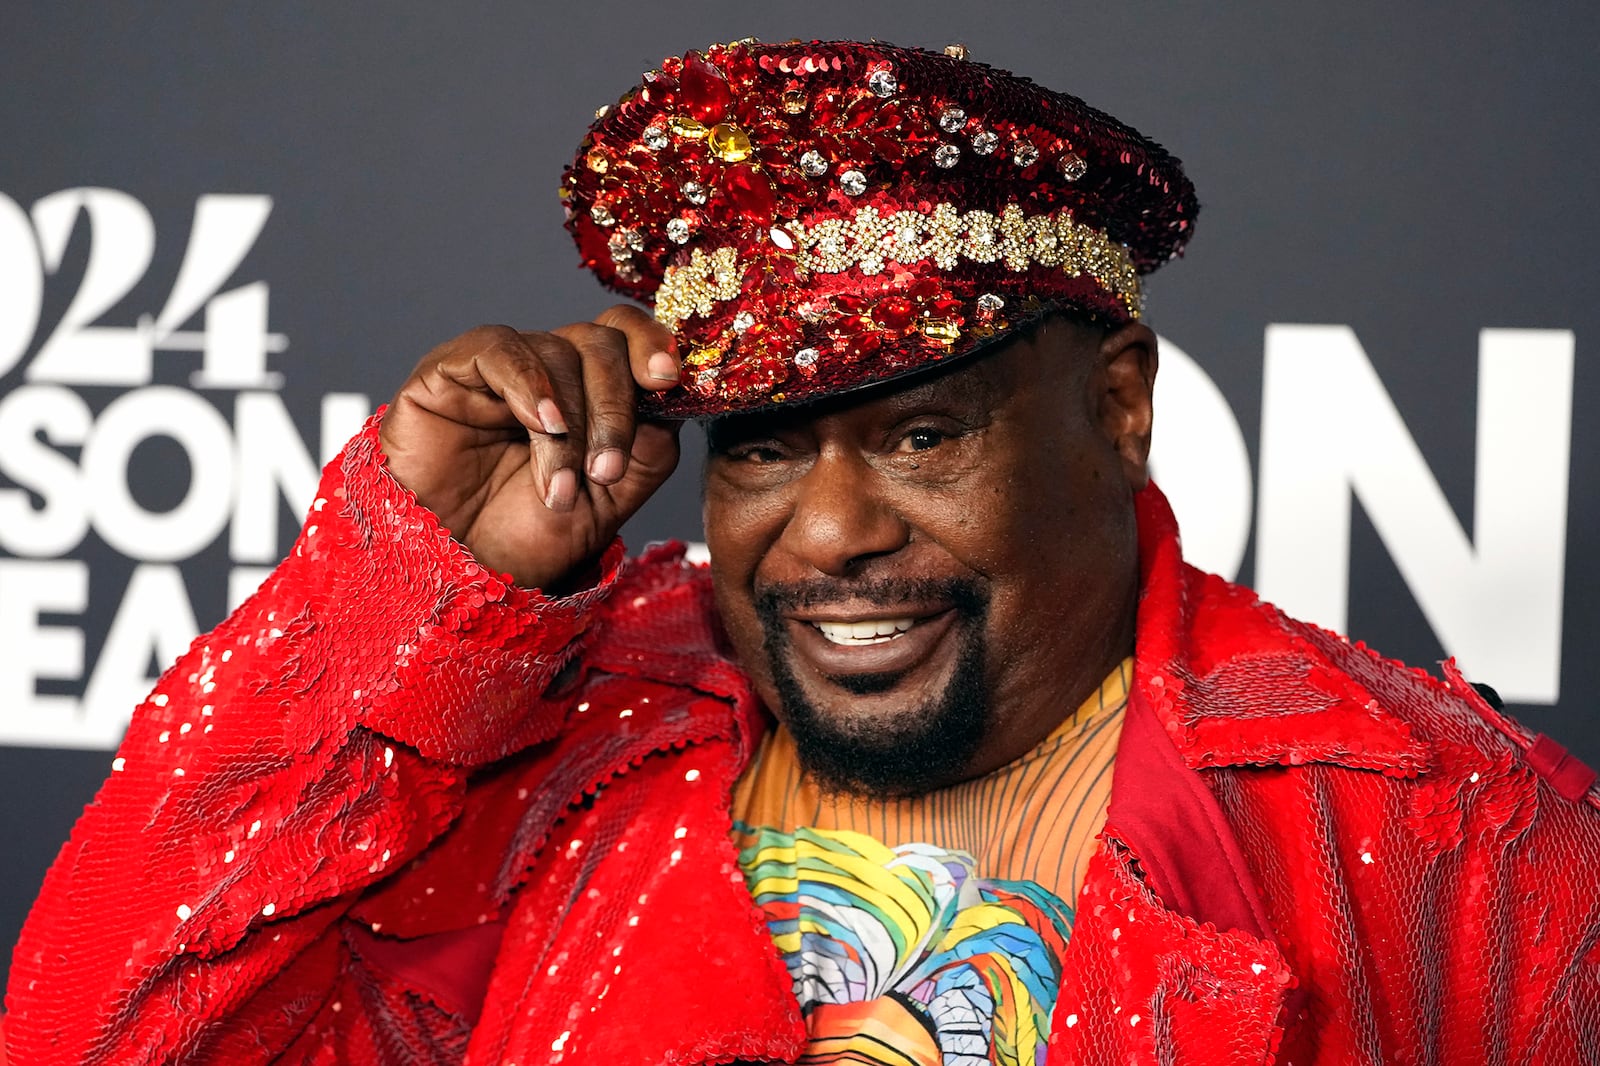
921 439
756 453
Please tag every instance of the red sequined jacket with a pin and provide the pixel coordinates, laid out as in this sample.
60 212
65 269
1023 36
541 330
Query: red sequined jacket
394 810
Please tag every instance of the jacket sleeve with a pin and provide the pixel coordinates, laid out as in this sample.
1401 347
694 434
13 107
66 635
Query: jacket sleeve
315 741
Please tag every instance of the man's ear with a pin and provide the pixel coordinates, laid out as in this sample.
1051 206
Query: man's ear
1124 389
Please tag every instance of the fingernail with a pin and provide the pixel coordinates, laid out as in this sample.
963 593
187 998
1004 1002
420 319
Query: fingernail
550 416
662 367
563 490
606 467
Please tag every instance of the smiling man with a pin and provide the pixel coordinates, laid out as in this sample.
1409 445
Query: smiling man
879 559
946 757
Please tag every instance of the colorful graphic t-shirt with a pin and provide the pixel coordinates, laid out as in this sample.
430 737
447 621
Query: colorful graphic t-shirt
930 929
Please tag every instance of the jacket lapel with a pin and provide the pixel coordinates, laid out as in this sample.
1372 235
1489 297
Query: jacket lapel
1143 983
1167 817
1232 682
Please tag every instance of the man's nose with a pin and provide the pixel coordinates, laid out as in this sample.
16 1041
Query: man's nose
840 517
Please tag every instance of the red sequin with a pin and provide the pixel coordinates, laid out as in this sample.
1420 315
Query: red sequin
827 134
894 312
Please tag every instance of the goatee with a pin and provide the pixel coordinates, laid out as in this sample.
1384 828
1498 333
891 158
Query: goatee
913 752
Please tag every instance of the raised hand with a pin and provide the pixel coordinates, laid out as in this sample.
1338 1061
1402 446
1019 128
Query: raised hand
528 446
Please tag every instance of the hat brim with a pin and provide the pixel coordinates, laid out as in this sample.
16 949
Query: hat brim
890 363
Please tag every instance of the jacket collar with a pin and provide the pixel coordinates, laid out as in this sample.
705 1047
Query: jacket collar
1238 683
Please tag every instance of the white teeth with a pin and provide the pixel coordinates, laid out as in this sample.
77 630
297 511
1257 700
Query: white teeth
873 631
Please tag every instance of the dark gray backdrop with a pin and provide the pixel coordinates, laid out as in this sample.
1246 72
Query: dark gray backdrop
1414 172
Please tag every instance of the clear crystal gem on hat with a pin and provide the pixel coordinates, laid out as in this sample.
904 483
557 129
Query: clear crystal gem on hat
986 142
1073 166
655 138
694 192
853 182
678 230
743 321
813 164
1024 154
883 82
600 214
952 119
956 51
946 155
990 302
806 357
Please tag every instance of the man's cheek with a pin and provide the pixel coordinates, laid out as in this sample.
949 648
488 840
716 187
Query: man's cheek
753 643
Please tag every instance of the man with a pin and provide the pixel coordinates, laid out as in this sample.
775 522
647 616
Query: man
947 758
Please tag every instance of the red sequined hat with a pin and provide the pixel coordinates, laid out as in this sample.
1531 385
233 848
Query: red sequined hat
809 218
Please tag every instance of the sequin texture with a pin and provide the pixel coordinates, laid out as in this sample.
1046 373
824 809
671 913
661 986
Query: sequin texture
803 137
562 855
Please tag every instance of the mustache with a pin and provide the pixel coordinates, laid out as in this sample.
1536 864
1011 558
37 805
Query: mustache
967 596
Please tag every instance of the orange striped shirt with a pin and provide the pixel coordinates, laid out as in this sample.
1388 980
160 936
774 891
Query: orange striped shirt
1034 819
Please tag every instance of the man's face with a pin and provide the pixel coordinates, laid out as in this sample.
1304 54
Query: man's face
924 579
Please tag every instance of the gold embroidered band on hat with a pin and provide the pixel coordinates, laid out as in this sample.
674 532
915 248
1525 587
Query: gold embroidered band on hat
946 235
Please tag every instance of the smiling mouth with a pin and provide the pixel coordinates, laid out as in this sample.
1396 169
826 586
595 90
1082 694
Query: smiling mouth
844 646
864 633
836 634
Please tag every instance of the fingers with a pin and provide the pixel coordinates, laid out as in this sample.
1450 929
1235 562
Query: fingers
655 456
573 391
449 384
651 346
555 445
537 377
608 399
